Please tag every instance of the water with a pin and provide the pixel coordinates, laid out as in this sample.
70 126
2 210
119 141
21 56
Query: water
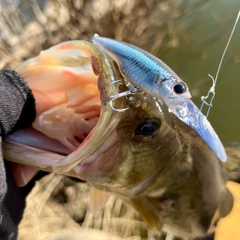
198 55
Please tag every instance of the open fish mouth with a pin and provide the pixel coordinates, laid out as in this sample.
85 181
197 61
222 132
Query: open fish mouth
76 132
80 126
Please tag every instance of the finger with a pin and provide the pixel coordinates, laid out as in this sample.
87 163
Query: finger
46 100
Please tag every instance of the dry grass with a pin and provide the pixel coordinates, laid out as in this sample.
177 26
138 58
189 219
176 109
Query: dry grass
28 28
57 208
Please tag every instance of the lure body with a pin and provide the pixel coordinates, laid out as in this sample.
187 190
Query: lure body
142 68
157 79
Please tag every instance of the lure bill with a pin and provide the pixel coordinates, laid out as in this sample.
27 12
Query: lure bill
157 79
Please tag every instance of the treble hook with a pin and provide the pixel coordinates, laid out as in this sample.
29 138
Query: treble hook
131 90
116 81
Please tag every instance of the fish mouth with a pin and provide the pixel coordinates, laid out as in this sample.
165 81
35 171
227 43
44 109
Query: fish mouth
66 135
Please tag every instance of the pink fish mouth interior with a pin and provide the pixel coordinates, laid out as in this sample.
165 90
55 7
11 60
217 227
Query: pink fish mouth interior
82 123
63 128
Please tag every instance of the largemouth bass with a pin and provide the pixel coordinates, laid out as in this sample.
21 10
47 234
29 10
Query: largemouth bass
145 155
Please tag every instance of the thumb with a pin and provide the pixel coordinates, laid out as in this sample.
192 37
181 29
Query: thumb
46 100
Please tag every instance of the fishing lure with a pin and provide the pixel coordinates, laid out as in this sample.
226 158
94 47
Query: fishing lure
154 77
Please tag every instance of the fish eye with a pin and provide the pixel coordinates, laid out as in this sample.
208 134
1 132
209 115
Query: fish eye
148 127
180 88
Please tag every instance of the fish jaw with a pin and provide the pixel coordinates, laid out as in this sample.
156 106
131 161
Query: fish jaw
64 67
103 67
157 79
98 167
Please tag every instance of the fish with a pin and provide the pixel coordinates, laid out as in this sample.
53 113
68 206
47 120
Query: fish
146 155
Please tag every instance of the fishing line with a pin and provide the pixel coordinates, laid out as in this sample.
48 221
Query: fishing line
212 89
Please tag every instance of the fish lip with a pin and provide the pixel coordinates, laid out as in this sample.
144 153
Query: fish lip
90 167
188 113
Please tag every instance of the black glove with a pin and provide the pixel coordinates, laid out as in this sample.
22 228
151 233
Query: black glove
17 110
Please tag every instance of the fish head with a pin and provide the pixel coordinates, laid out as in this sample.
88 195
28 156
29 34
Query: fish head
160 166
146 155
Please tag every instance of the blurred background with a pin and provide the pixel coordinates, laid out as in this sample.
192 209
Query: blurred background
188 35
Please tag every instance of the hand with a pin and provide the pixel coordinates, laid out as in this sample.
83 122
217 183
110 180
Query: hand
23 174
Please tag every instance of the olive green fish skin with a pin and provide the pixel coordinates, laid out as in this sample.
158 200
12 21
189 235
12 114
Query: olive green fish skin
171 176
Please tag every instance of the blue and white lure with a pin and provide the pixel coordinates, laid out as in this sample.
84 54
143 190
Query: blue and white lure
154 77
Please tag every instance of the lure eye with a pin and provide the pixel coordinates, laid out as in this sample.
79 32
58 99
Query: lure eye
148 127
180 88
